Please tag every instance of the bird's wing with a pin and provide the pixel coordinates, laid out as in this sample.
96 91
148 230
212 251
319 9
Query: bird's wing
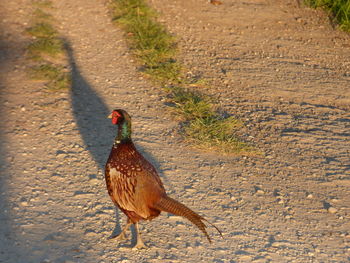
122 189
135 191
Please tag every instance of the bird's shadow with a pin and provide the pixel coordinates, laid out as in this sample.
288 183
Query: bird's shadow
90 112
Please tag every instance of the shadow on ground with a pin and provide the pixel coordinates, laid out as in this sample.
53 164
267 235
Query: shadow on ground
90 113
10 242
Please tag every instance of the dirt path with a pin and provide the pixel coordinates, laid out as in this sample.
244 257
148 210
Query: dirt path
279 68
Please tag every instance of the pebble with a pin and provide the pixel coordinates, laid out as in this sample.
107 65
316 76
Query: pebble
260 192
94 181
24 203
90 233
260 260
61 155
246 258
176 218
332 210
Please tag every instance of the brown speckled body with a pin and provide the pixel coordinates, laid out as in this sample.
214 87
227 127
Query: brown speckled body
132 182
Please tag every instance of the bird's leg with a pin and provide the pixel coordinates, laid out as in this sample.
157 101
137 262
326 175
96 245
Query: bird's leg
139 242
122 234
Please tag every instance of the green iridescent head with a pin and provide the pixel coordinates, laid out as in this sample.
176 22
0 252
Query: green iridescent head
123 120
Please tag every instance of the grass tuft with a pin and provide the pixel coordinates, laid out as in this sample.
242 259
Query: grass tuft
45 47
156 51
339 9
57 78
43 3
216 133
45 72
42 30
191 104
151 43
40 16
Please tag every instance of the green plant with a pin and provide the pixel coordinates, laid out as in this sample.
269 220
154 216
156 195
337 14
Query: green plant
217 133
46 45
43 3
63 81
191 104
150 41
339 9
156 50
40 16
44 72
57 78
42 30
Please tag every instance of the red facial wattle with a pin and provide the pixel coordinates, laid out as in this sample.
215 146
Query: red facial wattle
115 117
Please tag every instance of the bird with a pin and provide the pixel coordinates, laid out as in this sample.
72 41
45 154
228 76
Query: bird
135 187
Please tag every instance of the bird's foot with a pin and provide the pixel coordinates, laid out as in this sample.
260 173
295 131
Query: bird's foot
139 242
119 237
122 234
139 245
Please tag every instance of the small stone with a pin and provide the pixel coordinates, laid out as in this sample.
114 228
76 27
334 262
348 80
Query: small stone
260 192
332 210
309 196
60 154
176 218
94 181
246 258
90 233
24 203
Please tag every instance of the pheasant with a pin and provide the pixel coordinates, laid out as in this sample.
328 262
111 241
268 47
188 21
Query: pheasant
135 187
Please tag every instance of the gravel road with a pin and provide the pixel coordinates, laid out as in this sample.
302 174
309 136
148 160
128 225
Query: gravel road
280 68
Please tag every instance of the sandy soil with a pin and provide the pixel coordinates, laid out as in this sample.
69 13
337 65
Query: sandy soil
282 69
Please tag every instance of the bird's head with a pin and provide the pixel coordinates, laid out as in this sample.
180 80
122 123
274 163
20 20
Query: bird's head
122 119
118 116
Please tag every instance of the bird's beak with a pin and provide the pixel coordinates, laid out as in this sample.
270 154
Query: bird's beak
109 116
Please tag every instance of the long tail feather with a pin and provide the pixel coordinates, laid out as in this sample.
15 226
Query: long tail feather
172 206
